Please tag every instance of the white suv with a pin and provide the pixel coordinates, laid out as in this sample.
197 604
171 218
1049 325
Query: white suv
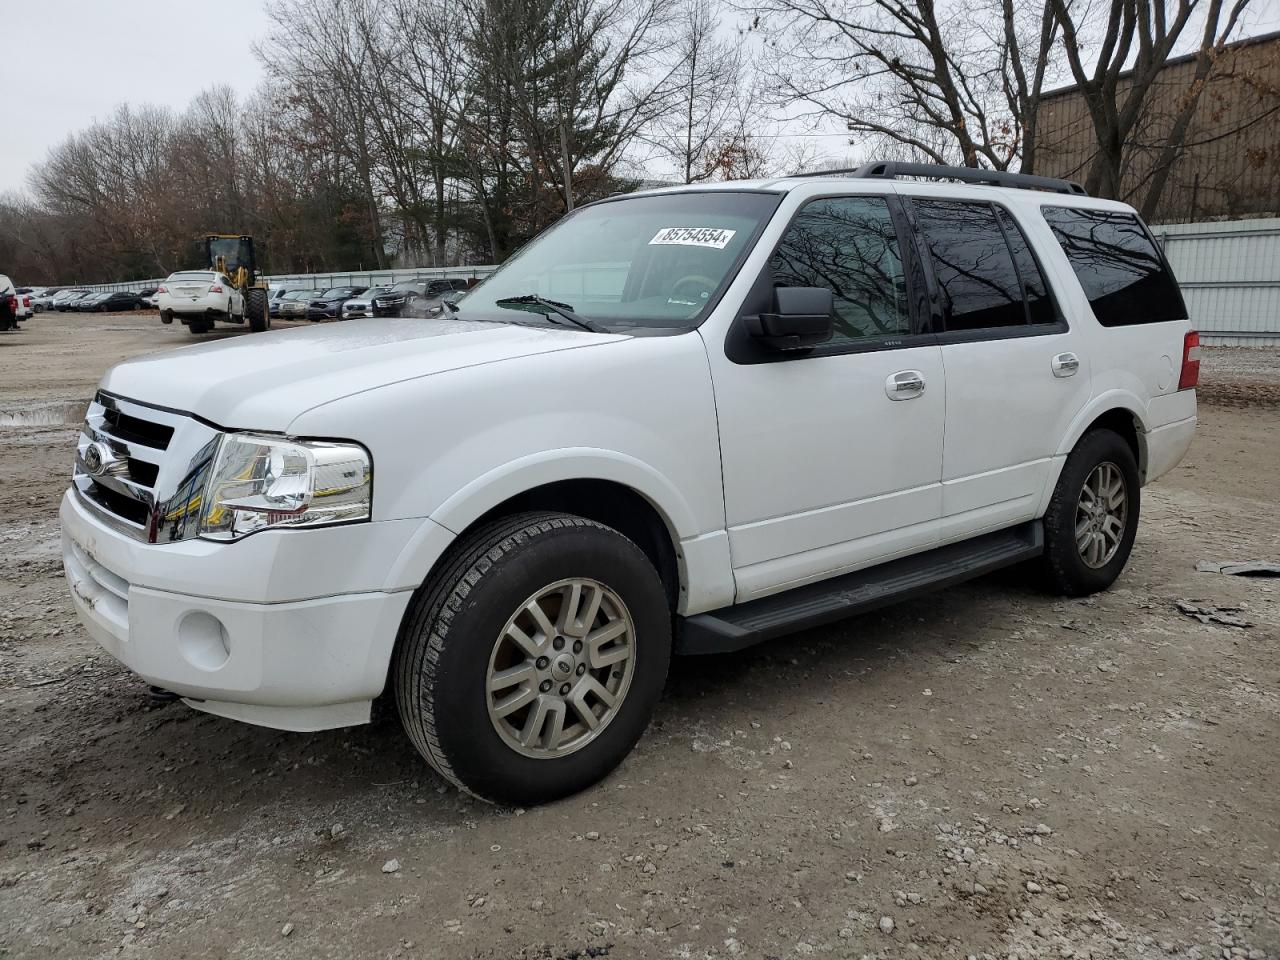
681 421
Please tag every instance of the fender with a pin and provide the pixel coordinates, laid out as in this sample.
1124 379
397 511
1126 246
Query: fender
1113 399
502 483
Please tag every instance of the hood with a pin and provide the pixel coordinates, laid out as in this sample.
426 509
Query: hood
264 381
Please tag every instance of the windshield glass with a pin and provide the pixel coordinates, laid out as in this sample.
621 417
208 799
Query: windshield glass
302 294
193 275
415 285
374 292
653 261
339 292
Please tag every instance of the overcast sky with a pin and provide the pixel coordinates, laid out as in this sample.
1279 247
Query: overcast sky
68 62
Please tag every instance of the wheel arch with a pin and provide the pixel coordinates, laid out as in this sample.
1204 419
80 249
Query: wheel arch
1115 410
609 488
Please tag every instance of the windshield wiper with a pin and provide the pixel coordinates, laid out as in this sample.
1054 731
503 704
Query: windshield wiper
549 307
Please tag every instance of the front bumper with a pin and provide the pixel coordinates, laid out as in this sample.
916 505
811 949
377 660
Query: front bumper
293 632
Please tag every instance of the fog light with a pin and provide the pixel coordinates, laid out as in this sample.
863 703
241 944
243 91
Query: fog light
203 641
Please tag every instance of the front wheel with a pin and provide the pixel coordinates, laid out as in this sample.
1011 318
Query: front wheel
166 316
529 665
255 308
1092 518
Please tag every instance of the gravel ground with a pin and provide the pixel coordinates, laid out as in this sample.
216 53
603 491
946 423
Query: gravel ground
994 772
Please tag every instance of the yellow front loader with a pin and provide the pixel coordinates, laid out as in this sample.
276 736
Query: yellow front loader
232 254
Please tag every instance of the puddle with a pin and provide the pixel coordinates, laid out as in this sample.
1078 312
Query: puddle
53 413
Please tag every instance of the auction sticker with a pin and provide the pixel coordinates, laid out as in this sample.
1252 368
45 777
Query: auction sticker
694 236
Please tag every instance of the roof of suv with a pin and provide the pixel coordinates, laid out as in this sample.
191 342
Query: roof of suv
926 180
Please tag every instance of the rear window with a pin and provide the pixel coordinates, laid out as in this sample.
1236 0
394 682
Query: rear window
1118 265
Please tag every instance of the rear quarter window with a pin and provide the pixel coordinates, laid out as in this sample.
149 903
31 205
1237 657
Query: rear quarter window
1118 264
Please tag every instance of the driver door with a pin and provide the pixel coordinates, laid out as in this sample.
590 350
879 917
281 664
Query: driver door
833 456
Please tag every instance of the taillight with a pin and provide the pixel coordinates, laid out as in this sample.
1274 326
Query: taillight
162 289
216 288
26 301
1190 361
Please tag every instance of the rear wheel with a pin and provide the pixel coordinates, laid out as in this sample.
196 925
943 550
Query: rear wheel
1092 518
530 664
166 316
200 326
255 309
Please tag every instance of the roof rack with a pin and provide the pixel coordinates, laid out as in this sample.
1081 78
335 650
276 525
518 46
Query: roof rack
893 169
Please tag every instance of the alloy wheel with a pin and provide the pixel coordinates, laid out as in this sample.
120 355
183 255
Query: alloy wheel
1101 513
561 668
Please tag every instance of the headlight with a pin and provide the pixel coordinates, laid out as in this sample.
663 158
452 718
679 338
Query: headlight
261 482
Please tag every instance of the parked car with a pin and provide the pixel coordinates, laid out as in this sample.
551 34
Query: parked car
329 304
293 305
362 306
146 297
117 301
22 307
41 300
279 294
198 298
64 303
89 302
398 299
691 420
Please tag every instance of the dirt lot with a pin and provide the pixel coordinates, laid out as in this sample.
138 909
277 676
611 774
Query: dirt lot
991 772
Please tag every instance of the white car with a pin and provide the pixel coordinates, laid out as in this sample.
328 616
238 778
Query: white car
680 421
362 306
197 298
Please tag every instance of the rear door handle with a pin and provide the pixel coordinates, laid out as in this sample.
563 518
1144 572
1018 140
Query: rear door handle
1065 365
904 385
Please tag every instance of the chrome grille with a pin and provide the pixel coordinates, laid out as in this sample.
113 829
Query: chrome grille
142 469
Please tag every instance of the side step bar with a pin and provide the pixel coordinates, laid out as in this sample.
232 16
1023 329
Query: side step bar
740 626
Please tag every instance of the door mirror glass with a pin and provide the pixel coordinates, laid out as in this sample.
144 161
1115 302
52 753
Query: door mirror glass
803 317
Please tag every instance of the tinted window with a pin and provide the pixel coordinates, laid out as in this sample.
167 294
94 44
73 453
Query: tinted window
849 245
972 263
1118 265
1040 308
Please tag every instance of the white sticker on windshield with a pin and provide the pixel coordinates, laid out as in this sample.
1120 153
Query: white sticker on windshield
694 236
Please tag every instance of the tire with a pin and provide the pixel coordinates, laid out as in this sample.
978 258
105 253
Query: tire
200 326
455 633
1085 550
166 316
255 307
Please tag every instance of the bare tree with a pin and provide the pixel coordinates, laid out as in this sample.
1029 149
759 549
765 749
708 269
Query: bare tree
949 82
706 83
1138 38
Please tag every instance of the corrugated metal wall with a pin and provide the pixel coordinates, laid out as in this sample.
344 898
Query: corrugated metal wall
1230 276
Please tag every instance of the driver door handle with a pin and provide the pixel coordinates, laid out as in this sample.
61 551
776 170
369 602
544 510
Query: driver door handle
904 385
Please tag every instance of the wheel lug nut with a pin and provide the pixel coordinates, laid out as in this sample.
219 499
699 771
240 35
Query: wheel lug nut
558 643
577 646
545 686
582 668
564 689
542 663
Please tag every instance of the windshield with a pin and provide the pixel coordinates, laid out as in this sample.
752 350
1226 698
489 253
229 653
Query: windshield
375 292
340 292
302 294
651 261
193 275
406 285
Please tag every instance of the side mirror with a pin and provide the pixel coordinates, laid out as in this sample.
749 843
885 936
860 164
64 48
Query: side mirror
802 318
